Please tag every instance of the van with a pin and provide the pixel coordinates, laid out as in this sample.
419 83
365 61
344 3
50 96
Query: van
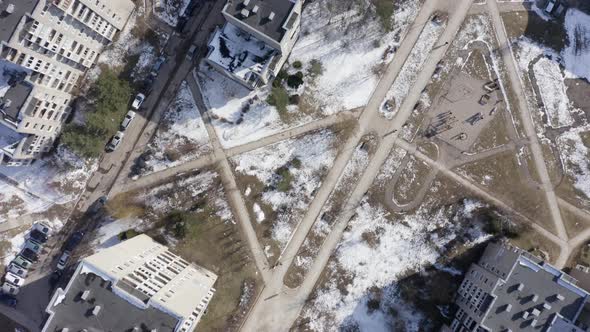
33 245
8 288
14 279
42 227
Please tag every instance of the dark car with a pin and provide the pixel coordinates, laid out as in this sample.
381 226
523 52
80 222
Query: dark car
98 204
8 300
30 255
38 236
55 277
74 240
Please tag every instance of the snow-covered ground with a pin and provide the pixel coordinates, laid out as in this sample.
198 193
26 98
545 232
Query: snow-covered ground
315 154
576 55
376 252
239 115
54 180
411 68
351 45
181 134
575 157
170 11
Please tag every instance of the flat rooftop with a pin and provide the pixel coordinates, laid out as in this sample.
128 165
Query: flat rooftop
8 137
14 90
260 20
238 53
10 21
116 314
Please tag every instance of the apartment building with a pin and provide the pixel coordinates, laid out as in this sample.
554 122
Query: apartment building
512 290
256 39
137 285
50 44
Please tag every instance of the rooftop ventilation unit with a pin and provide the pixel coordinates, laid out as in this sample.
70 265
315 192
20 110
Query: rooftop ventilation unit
546 306
559 297
255 9
520 287
246 2
271 16
535 298
508 307
65 329
10 8
245 12
84 295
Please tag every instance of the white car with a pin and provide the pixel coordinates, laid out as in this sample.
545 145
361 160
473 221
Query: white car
63 260
127 120
115 141
17 270
8 288
43 228
191 52
138 101
14 279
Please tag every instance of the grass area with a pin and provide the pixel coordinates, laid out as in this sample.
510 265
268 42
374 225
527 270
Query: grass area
125 205
111 96
476 66
527 23
500 176
494 134
384 10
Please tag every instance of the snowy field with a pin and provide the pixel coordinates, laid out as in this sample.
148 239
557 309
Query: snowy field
323 224
303 161
239 115
170 11
348 40
55 180
376 252
181 134
575 157
411 68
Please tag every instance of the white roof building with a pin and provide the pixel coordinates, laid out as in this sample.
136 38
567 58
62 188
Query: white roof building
160 289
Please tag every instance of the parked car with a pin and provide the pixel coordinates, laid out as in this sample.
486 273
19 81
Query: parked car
138 101
14 279
10 289
98 204
157 65
34 245
9 300
17 270
43 228
37 236
30 255
191 52
22 262
74 240
127 120
63 260
115 141
55 277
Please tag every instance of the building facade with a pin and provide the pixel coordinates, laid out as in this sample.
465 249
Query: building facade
512 290
50 44
256 39
137 284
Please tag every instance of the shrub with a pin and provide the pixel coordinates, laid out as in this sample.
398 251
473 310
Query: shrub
278 98
384 9
296 163
284 183
128 234
315 68
294 99
176 222
281 77
294 81
297 64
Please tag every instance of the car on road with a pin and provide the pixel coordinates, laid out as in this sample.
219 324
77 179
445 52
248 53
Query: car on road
43 228
97 205
37 236
115 141
9 300
14 279
127 120
22 262
17 270
157 65
74 240
63 260
138 101
191 52
34 246
10 289
30 255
